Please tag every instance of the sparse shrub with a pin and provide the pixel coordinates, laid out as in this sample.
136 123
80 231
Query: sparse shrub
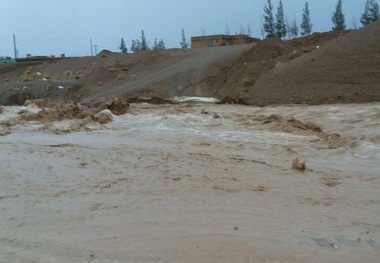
113 70
79 76
25 78
119 78
294 54
12 90
68 74
278 64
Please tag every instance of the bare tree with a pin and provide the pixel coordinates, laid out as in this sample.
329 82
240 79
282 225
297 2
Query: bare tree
249 31
353 23
287 27
203 31
226 28
293 28
136 45
161 45
262 30
242 30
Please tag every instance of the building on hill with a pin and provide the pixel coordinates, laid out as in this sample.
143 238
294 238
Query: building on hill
6 60
221 40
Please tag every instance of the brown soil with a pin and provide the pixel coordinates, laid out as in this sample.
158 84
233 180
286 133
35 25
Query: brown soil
321 68
51 111
346 69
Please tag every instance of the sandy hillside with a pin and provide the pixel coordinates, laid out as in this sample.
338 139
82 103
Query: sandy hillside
346 69
164 74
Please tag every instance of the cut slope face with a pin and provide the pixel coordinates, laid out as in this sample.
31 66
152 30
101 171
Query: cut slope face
236 78
346 69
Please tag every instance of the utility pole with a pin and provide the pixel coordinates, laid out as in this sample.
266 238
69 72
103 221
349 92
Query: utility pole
96 49
91 46
14 45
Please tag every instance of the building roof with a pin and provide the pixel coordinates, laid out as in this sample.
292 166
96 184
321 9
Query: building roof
221 36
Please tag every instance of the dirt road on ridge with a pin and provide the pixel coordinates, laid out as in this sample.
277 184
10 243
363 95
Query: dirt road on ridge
180 78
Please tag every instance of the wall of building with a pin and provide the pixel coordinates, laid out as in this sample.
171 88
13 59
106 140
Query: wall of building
221 40
6 60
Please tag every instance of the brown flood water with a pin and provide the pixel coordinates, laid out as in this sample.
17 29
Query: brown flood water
194 183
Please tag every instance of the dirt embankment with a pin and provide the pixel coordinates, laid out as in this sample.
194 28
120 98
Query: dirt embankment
310 70
321 68
234 79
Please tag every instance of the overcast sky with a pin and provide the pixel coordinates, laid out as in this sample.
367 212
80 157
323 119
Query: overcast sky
52 27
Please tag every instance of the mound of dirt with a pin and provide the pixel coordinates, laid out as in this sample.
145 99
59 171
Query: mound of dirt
105 53
234 80
116 105
347 69
52 111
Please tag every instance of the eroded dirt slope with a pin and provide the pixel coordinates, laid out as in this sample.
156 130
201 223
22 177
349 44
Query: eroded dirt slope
347 69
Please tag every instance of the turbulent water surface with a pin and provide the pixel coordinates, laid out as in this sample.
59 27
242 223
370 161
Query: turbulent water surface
193 183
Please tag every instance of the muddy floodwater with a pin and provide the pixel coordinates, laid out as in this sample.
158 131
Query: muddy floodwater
193 183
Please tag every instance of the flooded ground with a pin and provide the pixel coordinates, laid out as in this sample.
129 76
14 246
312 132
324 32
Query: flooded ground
193 183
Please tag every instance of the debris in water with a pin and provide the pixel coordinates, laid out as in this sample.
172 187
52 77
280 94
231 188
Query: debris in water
215 115
116 105
298 164
334 245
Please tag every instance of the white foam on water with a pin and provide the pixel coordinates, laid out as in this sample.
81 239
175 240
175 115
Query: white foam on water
184 99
